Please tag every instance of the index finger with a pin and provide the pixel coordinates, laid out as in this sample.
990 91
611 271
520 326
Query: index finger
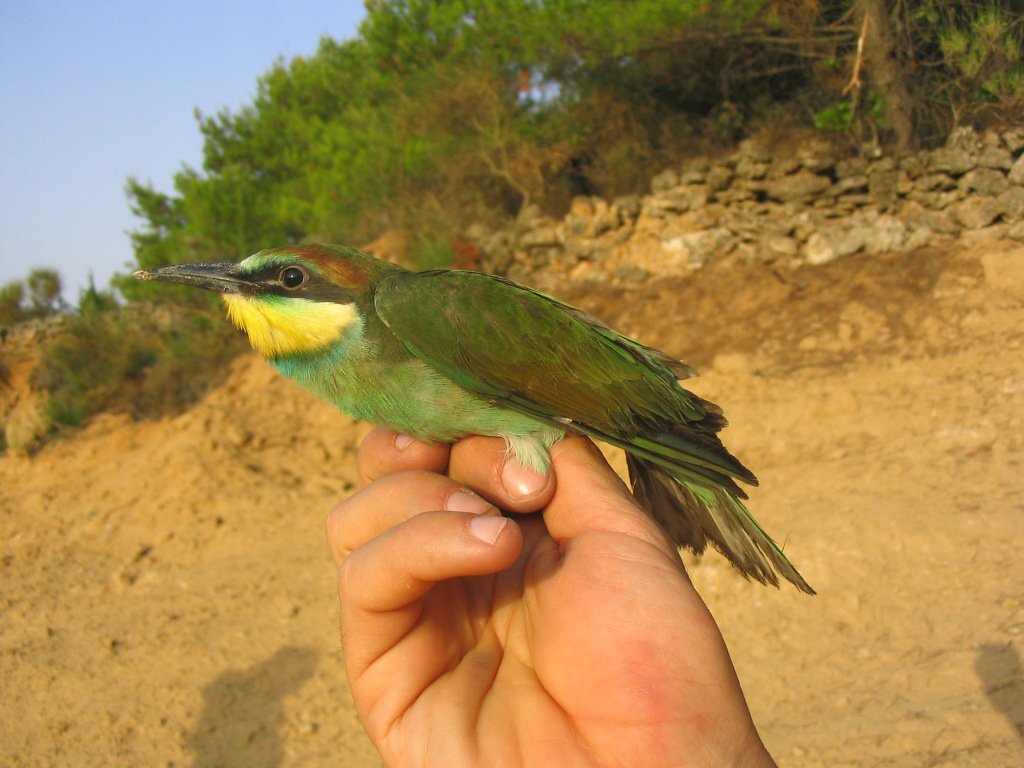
385 452
391 501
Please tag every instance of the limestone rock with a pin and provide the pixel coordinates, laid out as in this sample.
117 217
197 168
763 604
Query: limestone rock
1014 140
678 199
797 186
628 207
983 181
1012 201
882 186
995 157
855 183
748 168
933 182
952 160
1016 174
664 180
719 177
829 244
817 155
543 234
880 234
780 245
977 212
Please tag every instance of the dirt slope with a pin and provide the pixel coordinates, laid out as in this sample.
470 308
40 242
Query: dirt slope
167 598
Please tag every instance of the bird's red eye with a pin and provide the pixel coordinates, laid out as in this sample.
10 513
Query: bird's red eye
292 277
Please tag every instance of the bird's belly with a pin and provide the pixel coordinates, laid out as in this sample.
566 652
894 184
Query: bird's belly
412 398
438 412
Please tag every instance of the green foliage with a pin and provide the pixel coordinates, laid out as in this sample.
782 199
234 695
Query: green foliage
141 360
965 61
985 54
440 114
12 303
37 296
44 286
443 113
835 117
839 117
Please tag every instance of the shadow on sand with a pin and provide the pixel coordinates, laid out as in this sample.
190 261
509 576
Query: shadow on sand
243 711
1002 678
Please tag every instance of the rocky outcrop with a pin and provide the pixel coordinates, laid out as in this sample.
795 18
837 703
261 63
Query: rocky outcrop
809 207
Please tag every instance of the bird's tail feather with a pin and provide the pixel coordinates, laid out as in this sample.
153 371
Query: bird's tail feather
685 480
694 508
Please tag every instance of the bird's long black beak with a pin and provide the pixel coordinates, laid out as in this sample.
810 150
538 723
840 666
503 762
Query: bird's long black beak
219 278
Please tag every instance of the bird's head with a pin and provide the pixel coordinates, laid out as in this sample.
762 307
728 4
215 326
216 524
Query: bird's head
288 300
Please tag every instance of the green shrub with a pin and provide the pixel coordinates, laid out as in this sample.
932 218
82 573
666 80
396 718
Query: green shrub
985 57
139 359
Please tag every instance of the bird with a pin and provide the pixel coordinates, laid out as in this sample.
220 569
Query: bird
445 353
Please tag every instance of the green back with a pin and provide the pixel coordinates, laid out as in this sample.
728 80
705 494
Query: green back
513 344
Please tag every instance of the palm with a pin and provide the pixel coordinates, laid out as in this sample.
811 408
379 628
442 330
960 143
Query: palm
551 645
586 646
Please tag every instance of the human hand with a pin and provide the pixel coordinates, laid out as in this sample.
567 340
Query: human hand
569 638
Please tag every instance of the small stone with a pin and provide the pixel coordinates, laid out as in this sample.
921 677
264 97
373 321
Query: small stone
1014 140
964 138
748 168
952 160
797 186
545 235
817 155
852 166
827 245
780 245
886 233
983 181
753 149
855 183
934 182
995 157
628 206
719 177
664 180
1016 174
882 185
984 234
977 212
1012 201
581 207
918 237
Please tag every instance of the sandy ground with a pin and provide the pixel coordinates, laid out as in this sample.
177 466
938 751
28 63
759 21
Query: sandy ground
167 598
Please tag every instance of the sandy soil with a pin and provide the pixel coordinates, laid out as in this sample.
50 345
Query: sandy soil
167 598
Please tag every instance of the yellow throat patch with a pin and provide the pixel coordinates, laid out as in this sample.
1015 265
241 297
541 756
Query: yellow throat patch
282 326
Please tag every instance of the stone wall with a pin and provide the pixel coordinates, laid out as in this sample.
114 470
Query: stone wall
810 206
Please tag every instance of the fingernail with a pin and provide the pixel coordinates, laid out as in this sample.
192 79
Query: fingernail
467 501
487 528
402 441
521 481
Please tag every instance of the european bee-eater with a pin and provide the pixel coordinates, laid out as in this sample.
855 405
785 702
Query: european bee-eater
446 353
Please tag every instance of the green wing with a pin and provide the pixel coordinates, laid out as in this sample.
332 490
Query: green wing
535 354
506 341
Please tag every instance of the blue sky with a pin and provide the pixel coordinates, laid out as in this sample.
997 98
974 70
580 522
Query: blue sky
96 92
